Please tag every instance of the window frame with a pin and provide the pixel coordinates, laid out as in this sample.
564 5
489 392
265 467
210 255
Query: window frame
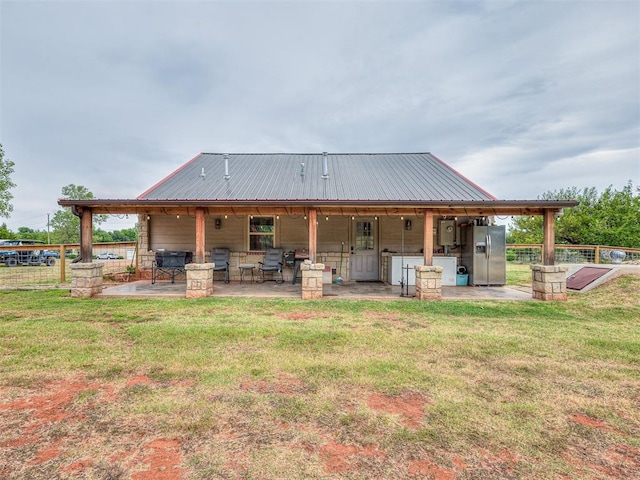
261 234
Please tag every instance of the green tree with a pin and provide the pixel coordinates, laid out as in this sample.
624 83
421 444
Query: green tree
611 218
65 225
6 169
5 233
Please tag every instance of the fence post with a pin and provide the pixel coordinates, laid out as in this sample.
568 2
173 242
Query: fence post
597 254
63 274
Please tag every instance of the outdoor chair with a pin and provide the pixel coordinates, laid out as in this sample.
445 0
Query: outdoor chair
272 264
220 257
170 264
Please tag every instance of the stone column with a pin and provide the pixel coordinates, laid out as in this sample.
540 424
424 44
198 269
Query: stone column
86 279
428 282
311 280
199 280
549 282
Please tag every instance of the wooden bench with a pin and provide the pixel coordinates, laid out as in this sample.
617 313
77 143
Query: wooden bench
170 263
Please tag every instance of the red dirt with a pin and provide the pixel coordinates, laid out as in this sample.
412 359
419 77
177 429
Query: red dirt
138 380
46 453
163 460
425 467
338 458
410 406
592 422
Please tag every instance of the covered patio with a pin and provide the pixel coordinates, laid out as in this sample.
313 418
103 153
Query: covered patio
346 290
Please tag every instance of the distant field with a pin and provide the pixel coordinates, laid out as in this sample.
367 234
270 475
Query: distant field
286 389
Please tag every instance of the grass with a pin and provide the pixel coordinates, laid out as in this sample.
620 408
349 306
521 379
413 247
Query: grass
282 388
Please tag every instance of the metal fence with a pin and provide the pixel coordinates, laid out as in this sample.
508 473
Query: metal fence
50 265
531 254
125 252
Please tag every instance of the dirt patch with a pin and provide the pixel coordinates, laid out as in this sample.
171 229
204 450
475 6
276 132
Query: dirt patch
163 458
284 384
409 406
138 380
594 423
339 458
425 467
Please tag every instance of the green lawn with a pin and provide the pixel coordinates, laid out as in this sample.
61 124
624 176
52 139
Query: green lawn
261 389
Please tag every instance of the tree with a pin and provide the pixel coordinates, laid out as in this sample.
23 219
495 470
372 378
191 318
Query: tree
5 233
65 225
612 218
6 169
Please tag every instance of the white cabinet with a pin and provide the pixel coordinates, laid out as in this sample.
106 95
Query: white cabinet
450 269
449 265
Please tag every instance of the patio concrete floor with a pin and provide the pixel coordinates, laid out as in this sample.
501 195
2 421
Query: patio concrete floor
353 290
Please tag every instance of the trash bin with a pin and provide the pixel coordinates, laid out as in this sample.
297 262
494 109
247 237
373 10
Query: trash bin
462 277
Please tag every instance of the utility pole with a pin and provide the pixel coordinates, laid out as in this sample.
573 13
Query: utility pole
48 234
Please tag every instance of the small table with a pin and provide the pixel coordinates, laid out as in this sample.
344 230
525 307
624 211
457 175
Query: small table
245 267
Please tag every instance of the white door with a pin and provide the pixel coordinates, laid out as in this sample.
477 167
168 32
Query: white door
364 251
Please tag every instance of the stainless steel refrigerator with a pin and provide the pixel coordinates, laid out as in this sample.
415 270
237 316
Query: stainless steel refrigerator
484 254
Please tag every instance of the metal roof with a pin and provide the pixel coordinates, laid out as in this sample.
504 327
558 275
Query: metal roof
352 177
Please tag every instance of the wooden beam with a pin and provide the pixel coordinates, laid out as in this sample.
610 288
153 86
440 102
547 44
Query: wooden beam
340 210
313 233
200 227
86 235
428 237
549 236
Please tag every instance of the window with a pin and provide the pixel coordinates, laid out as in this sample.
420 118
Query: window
364 236
262 232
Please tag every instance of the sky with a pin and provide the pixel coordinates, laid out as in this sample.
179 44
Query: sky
521 97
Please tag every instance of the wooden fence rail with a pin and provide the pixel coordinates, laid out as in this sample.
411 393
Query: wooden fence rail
58 271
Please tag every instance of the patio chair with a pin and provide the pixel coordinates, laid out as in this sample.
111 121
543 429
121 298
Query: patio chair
272 264
220 257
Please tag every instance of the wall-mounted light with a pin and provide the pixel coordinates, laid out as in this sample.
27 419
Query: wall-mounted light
178 216
225 217
305 217
352 217
218 224
148 217
326 218
407 225
375 218
277 217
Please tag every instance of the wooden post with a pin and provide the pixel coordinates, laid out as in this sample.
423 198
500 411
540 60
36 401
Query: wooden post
86 236
597 254
63 258
549 237
313 234
200 235
428 237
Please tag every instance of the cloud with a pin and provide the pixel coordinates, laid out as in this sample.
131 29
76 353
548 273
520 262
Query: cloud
521 97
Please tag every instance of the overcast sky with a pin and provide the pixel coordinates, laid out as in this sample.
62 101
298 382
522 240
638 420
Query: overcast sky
522 97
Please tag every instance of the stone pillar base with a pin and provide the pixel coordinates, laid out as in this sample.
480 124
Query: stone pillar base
428 282
549 282
86 279
311 280
199 280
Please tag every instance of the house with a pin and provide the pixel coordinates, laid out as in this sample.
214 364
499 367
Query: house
352 212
